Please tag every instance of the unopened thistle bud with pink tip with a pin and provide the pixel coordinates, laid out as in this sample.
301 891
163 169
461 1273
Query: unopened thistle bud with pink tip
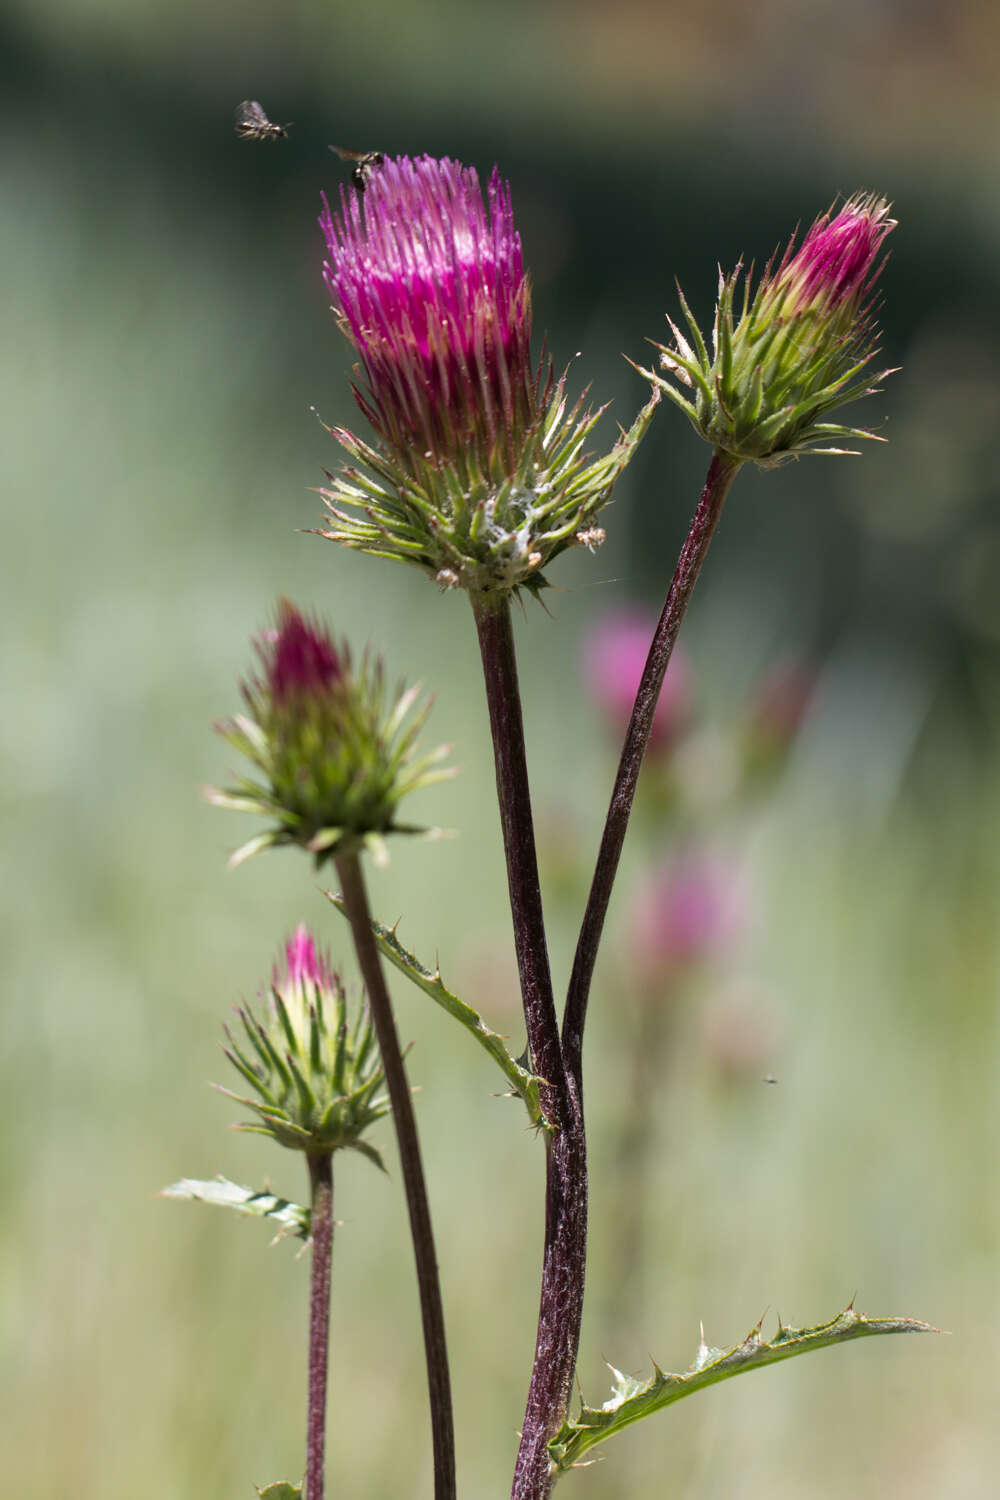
478 474
795 350
315 1072
336 753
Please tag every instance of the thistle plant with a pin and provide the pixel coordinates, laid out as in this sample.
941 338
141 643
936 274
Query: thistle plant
478 471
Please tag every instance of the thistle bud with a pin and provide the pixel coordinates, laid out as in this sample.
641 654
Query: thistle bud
478 473
794 351
315 1073
336 754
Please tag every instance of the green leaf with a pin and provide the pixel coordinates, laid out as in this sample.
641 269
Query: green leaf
280 1491
292 1218
631 1399
523 1083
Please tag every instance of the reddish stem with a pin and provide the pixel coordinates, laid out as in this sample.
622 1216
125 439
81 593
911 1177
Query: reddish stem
721 472
560 1309
435 1347
321 1236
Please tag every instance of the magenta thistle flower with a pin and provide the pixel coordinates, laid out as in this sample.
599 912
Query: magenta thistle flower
479 475
439 313
336 753
795 351
615 657
315 1072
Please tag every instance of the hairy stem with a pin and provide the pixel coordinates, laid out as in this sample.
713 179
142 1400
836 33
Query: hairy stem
321 1236
721 472
560 1305
503 698
438 1378
560 1308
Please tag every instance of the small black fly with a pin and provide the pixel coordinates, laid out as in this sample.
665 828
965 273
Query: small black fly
252 123
365 163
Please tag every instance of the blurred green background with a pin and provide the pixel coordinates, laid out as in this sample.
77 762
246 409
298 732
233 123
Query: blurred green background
165 336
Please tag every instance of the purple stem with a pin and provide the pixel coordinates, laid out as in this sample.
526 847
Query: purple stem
496 645
560 1308
721 472
321 1235
560 1304
435 1347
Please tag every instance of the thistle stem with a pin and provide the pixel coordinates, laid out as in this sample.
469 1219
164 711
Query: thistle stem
321 1236
560 1303
503 698
721 472
356 907
560 1308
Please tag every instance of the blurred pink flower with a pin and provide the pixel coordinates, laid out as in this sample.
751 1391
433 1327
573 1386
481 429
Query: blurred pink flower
685 911
614 658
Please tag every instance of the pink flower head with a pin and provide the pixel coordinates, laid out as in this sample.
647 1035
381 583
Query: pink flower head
429 285
833 267
299 657
615 656
685 912
303 963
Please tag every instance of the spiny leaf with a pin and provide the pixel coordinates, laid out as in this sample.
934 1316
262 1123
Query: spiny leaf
292 1217
522 1082
631 1400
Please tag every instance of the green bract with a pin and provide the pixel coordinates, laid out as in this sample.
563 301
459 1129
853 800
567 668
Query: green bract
472 528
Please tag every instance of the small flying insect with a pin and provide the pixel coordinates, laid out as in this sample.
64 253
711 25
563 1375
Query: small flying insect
252 123
365 163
